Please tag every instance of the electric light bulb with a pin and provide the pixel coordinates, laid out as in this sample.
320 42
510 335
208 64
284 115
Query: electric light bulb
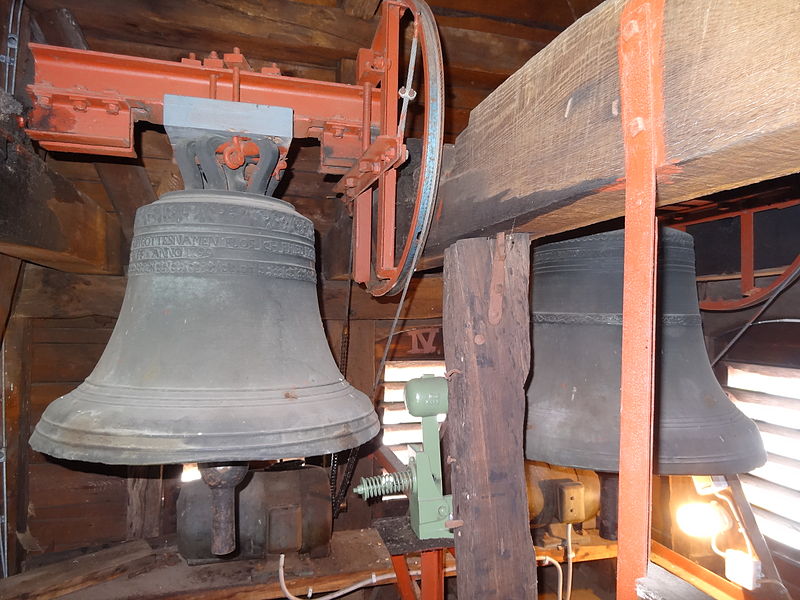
702 519
190 473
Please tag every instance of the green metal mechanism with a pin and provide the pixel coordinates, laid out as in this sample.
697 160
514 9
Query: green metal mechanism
429 508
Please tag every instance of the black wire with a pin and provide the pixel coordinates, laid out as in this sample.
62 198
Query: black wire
780 288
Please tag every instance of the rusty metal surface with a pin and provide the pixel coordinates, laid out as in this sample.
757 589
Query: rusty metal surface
280 510
222 480
69 116
641 94
88 102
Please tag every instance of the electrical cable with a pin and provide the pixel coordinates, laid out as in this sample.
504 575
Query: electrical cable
570 555
374 580
766 304
551 561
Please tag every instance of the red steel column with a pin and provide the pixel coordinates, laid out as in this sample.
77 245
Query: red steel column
747 242
642 123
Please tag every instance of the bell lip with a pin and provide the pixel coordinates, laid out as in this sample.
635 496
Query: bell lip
73 427
723 461
743 463
135 452
728 458
254 200
136 449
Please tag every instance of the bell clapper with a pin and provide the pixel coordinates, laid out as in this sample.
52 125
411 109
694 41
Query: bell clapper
223 479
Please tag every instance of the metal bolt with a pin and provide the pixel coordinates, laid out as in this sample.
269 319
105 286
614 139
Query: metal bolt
80 105
44 101
350 182
479 339
112 108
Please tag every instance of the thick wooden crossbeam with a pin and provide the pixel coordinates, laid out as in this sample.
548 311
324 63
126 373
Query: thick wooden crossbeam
46 220
543 153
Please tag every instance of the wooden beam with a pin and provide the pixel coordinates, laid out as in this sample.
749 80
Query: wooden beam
127 184
488 353
543 153
300 33
60 579
47 293
46 220
363 9
355 556
128 187
423 301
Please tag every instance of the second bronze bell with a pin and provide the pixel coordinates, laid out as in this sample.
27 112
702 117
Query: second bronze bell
573 396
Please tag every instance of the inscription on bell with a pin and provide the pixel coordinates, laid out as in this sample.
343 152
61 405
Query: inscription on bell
176 245
224 267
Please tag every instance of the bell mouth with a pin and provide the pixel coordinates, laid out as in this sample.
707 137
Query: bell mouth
139 426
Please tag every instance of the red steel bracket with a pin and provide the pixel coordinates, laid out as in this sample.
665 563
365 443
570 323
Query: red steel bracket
385 153
641 94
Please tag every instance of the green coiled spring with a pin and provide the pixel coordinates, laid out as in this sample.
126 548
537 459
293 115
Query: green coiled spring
386 484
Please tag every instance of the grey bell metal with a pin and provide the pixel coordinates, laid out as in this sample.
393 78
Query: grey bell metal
218 354
573 396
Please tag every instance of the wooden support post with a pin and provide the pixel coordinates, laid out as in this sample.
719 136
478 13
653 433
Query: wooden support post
16 398
488 352
144 501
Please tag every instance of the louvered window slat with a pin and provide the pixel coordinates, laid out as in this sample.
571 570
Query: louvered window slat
771 397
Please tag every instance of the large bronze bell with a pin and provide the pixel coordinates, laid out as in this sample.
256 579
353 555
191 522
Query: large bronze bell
219 353
573 397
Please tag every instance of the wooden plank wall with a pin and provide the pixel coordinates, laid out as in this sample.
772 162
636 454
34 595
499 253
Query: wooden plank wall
67 504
